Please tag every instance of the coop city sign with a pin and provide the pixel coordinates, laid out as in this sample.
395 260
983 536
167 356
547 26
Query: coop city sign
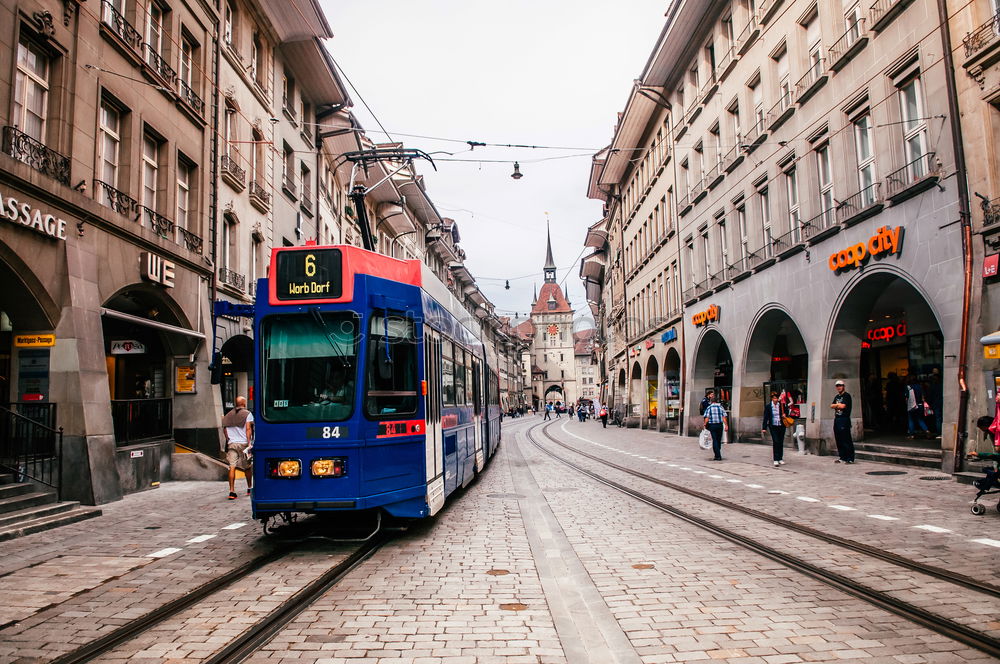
886 241
707 316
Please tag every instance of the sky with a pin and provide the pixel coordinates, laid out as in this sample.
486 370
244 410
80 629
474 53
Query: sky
551 73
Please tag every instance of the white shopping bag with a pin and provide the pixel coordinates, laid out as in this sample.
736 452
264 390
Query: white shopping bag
705 439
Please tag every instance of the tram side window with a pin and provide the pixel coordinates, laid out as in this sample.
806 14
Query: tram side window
392 366
477 400
460 377
447 375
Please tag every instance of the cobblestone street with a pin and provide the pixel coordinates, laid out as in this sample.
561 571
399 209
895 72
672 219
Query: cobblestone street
533 563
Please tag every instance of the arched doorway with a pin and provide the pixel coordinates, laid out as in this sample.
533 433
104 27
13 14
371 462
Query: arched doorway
776 361
886 335
636 395
713 369
139 355
672 390
237 370
554 395
620 393
652 393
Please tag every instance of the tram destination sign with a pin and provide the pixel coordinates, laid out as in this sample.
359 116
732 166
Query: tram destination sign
315 274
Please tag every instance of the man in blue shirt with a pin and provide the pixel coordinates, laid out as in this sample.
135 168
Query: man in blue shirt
716 422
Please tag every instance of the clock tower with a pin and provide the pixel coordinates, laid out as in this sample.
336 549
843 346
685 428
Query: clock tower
553 370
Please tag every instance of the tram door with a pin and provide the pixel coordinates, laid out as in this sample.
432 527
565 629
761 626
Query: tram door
433 447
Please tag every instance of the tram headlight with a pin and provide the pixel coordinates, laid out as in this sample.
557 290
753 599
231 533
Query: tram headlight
284 468
329 467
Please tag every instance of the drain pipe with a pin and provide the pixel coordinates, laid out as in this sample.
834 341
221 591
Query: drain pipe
964 211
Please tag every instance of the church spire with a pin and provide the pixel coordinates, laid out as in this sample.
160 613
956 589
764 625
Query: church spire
550 265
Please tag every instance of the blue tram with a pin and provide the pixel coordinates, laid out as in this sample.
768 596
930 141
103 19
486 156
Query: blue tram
375 390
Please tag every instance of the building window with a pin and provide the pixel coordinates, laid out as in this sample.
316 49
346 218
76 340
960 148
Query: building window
825 172
723 244
226 248
864 147
784 85
734 121
257 60
185 171
706 254
288 95
741 223
257 158
229 133
31 90
305 179
794 218
154 35
229 25
814 46
764 198
150 170
186 65
911 106
109 147
757 102
288 170
852 21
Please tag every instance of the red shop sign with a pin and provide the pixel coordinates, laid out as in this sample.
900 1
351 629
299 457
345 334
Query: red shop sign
990 265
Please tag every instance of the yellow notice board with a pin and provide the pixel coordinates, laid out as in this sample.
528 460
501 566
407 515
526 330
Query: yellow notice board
34 340
991 352
184 382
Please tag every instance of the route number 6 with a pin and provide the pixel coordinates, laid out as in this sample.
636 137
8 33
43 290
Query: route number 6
310 265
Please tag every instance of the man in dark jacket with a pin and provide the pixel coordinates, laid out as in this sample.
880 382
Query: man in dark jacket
841 406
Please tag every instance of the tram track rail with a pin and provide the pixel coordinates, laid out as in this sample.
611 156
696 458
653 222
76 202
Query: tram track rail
255 636
944 626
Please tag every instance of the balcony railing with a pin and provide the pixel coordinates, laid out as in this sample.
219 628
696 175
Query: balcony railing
748 35
790 240
709 88
735 155
288 184
234 279
914 177
692 112
738 268
863 204
259 195
234 173
985 35
684 204
756 135
823 221
122 28
781 110
883 11
848 45
159 65
190 240
698 190
766 10
138 420
726 63
27 150
714 175
189 97
991 212
117 200
157 223
811 81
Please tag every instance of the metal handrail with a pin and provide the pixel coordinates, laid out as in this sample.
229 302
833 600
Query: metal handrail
159 65
120 26
234 170
844 43
189 96
982 36
862 200
118 200
922 167
812 75
31 449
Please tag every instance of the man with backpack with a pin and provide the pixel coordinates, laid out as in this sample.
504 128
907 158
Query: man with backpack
709 398
603 414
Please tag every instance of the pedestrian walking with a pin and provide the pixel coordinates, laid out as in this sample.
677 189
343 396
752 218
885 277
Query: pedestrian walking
604 416
716 422
237 427
842 423
548 412
915 408
558 409
774 422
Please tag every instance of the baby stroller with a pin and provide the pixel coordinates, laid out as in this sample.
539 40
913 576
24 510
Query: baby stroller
986 485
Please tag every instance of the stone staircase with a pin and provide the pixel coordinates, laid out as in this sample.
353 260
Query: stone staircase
27 508
903 455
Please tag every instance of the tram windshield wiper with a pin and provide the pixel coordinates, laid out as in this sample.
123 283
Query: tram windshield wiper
339 351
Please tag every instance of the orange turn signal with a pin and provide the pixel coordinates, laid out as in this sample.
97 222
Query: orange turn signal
423 388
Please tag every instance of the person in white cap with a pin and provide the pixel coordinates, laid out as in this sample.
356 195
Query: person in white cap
842 423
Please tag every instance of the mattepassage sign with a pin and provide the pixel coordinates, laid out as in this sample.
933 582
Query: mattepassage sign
309 275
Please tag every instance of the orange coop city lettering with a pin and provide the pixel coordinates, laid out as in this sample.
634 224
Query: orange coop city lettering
705 317
885 242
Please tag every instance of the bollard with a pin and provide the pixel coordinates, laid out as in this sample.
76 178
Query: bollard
800 437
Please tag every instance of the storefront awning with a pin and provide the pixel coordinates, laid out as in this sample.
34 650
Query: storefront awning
139 320
990 339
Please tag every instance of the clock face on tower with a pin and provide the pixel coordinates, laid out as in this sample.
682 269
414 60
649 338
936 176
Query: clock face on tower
553 330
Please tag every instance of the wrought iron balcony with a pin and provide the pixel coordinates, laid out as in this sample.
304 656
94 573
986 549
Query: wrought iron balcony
157 222
190 98
735 155
748 35
121 28
259 196
991 212
849 44
781 111
811 81
159 65
988 34
117 200
790 241
883 11
916 176
233 279
27 150
232 172
865 203
756 135
190 240
815 229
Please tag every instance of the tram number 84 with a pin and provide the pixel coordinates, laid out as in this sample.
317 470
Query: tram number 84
326 433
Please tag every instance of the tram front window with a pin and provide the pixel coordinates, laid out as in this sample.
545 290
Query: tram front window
310 367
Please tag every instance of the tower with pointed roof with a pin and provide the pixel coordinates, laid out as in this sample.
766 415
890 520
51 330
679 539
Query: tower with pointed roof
553 368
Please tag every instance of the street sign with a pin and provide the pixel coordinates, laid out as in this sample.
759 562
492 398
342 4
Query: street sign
34 340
